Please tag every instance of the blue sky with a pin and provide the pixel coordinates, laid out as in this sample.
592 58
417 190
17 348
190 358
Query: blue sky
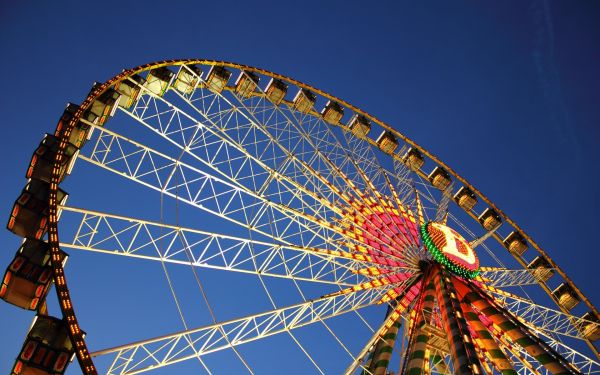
505 93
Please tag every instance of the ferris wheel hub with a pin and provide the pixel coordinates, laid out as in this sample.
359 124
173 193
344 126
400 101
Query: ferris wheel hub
450 249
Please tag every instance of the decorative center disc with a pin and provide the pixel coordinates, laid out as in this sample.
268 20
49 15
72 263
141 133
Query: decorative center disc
450 249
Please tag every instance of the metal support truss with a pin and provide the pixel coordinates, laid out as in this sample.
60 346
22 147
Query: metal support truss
543 319
295 155
502 277
163 351
126 236
583 363
202 190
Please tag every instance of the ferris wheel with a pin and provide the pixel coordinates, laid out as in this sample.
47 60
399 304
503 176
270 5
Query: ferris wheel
236 219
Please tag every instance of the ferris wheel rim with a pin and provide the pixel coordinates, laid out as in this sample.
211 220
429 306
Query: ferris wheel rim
59 278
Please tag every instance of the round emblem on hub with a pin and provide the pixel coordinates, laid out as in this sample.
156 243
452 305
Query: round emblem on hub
450 249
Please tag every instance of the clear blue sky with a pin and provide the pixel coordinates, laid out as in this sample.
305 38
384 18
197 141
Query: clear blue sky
505 93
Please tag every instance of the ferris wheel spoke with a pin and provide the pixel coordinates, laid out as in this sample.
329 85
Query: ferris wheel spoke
403 174
227 146
363 155
352 180
543 319
126 236
319 159
236 136
479 241
403 240
371 194
200 189
583 363
166 350
110 143
313 146
428 200
236 167
442 208
502 277
337 162
578 361
412 251
360 171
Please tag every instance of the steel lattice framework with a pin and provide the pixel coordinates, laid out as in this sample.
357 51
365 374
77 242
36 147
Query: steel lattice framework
282 181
